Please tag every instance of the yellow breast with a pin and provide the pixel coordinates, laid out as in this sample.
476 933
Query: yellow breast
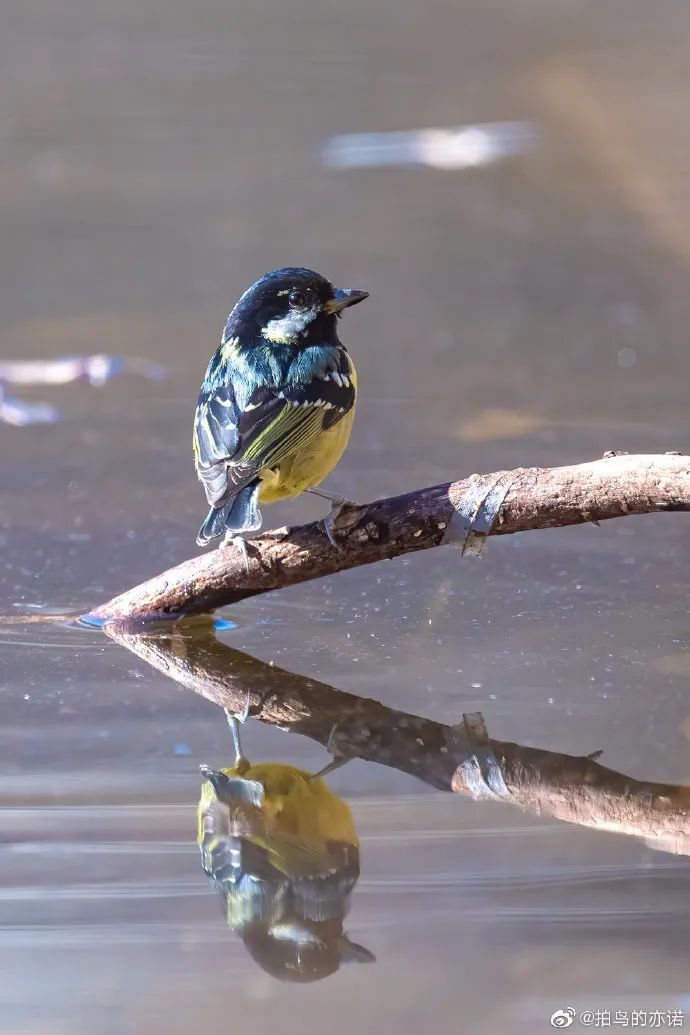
312 463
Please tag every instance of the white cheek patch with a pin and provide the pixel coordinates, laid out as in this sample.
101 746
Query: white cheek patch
289 327
295 932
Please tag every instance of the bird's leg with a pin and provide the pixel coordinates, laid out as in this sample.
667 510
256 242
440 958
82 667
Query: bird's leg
231 539
234 718
338 759
337 504
332 497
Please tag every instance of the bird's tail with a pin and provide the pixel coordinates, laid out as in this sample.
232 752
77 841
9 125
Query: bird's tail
240 514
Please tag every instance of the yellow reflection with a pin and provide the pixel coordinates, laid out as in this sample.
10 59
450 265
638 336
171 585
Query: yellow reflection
283 851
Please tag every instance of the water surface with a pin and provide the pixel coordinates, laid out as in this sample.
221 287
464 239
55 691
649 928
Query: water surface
156 159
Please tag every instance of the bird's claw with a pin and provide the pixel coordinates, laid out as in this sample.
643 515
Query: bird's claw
233 719
338 759
240 543
239 716
331 746
329 521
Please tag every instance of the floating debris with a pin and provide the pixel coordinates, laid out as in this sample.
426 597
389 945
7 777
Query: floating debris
453 147
18 413
220 624
491 424
96 370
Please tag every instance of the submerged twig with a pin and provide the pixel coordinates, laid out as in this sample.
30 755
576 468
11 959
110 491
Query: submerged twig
497 504
461 758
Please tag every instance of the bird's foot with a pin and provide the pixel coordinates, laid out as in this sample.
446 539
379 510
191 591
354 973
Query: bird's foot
239 716
330 519
234 718
338 758
329 522
231 539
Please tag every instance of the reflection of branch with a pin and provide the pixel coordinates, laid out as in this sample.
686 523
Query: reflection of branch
496 504
460 759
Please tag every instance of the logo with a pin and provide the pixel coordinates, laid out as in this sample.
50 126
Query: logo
563 1018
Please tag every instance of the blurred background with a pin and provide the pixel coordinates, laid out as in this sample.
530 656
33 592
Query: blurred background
155 159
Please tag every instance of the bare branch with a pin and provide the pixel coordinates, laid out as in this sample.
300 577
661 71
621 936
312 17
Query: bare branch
497 504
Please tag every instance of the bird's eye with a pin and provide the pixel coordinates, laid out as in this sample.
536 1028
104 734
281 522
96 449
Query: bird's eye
298 299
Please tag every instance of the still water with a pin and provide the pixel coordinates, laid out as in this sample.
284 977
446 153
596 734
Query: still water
155 159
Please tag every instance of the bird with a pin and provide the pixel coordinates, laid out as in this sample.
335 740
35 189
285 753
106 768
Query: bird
277 402
283 851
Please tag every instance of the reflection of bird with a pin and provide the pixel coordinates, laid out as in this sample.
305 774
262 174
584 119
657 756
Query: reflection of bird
277 402
284 852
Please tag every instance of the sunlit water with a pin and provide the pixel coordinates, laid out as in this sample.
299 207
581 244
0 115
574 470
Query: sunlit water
154 161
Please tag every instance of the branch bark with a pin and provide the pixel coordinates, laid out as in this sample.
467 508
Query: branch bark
497 504
461 758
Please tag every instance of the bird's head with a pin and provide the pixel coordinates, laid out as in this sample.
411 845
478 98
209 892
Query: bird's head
303 951
290 306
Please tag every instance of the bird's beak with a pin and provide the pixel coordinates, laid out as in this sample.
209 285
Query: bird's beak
351 952
343 297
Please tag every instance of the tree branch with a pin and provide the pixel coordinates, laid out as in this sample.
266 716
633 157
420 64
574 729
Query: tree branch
497 504
461 758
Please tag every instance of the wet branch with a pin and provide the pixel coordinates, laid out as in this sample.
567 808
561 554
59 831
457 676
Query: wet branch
496 504
461 758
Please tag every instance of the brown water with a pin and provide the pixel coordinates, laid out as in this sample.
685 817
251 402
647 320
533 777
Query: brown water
156 158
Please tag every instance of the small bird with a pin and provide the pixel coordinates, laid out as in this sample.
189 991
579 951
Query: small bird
283 851
277 403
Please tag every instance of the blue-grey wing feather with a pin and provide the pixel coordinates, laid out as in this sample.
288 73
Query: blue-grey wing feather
233 444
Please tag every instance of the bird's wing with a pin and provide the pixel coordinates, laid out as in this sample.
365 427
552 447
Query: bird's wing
236 837
216 440
282 422
233 445
294 857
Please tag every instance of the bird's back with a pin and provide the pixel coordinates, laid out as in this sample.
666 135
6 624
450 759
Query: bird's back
278 385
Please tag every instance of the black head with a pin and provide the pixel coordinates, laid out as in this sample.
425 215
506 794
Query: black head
303 952
290 306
